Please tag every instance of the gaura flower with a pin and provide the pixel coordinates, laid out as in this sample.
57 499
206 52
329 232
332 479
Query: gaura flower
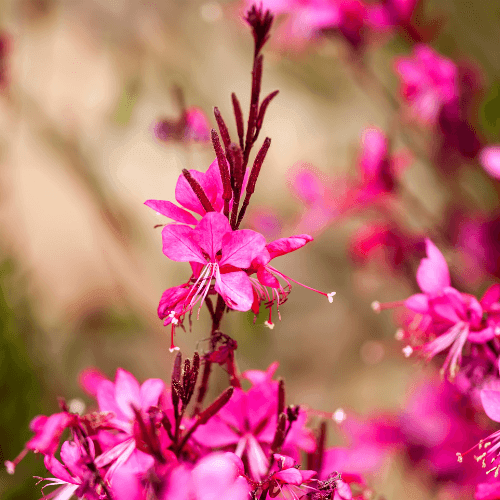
443 313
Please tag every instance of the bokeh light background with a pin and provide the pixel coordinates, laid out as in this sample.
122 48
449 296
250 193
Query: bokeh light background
82 268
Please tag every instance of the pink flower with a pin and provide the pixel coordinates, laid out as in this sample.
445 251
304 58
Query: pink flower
48 431
215 252
288 481
72 475
216 476
120 398
192 126
452 317
428 82
489 158
247 424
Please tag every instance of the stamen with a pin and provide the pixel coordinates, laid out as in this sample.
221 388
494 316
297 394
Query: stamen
377 306
400 334
173 347
460 458
11 465
286 278
269 324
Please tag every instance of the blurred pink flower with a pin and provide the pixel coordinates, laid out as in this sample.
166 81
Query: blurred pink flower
192 126
453 318
428 82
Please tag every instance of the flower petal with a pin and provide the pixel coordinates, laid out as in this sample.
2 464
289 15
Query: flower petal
418 303
235 288
168 209
127 392
240 247
491 403
432 274
209 232
178 244
151 391
287 245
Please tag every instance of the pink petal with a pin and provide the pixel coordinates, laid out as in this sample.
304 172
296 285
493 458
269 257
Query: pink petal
127 484
127 392
257 459
197 125
90 379
209 232
57 469
432 274
106 399
178 244
71 454
287 245
185 195
266 278
418 303
491 296
240 247
491 403
236 289
482 336
307 474
289 476
488 491
151 391
46 440
489 158
374 152
171 211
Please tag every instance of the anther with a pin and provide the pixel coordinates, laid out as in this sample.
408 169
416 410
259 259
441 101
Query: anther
330 296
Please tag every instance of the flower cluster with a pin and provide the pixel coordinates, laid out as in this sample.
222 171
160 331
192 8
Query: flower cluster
140 442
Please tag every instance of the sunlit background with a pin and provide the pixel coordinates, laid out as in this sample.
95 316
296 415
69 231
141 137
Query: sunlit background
82 266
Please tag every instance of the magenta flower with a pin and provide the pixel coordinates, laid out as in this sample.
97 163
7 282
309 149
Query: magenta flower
48 431
452 317
436 422
216 476
120 398
247 424
215 252
382 244
72 475
288 481
428 82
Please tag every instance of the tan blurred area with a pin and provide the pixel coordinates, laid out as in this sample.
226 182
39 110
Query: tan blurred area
88 78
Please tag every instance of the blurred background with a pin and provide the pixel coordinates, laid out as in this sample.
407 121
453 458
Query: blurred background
82 267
